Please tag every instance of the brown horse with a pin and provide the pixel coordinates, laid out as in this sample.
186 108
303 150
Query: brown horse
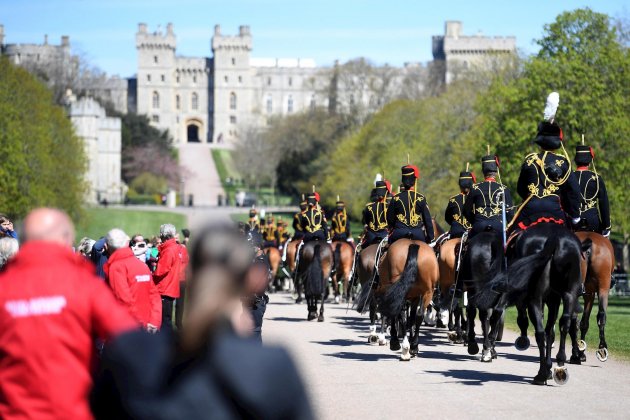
344 256
366 275
313 271
596 275
274 257
408 273
290 257
447 261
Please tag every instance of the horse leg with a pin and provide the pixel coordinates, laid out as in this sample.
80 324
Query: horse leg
298 288
589 299
484 318
535 311
415 320
473 347
394 341
601 320
381 336
320 318
495 326
553 307
522 342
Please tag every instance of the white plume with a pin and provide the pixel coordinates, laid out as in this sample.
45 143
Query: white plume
553 100
378 177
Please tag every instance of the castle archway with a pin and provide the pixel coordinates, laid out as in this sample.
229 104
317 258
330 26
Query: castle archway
193 131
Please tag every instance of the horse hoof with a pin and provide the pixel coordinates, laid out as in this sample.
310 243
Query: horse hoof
486 356
394 345
373 339
582 356
493 352
581 345
452 337
602 354
320 318
311 316
298 300
575 360
522 343
337 299
381 340
439 324
473 348
561 375
540 380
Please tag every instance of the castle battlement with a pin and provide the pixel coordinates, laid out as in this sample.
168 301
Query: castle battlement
156 39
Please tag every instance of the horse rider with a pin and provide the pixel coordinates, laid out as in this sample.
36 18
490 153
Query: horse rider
253 223
298 233
269 233
282 236
375 216
594 206
483 206
313 222
340 228
408 214
546 183
454 214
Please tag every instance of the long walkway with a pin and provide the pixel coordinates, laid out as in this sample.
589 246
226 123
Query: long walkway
202 182
349 379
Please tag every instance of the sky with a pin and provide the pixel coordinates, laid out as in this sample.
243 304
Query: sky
385 31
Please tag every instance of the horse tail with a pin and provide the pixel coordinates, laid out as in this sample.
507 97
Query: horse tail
337 256
315 274
394 297
364 297
515 281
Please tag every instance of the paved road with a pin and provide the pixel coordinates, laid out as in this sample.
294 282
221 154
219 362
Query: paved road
347 378
202 181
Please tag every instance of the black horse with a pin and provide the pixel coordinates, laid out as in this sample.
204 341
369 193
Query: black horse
544 269
482 261
313 271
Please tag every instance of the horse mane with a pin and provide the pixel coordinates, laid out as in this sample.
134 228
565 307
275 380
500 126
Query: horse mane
393 299
513 283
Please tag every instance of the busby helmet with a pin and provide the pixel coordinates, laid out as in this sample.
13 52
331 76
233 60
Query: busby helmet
373 194
490 163
253 213
303 203
549 135
313 199
466 179
584 155
340 204
410 173
381 189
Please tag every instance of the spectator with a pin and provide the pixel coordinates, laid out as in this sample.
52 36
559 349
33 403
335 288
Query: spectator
222 376
131 281
85 247
168 271
8 248
179 303
6 227
52 308
152 255
256 282
139 247
99 256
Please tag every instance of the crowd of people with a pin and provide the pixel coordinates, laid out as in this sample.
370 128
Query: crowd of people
101 330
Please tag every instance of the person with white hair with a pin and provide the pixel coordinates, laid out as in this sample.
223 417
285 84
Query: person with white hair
8 248
167 273
131 281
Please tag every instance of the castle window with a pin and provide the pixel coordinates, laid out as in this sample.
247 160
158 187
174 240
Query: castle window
177 102
290 104
290 81
313 104
232 100
268 81
155 118
155 59
269 105
195 101
240 79
194 79
148 77
156 100
177 79
232 119
226 79
163 77
233 61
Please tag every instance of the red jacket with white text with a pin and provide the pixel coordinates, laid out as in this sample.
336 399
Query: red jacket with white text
168 271
52 306
131 282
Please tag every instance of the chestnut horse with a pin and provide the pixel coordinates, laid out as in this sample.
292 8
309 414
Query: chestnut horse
408 273
367 279
291 254
313 271
274 257
344 256
447 261
600 264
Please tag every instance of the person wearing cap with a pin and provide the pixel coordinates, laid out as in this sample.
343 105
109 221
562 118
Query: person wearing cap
269 233
298 233
546 184
253 220
282 236
375 216
594 206
339 223
314 222
484 205
408 214
454 214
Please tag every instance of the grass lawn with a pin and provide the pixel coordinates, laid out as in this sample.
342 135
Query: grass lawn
617 329
98 221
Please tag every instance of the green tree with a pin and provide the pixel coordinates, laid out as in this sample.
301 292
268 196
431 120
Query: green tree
44 162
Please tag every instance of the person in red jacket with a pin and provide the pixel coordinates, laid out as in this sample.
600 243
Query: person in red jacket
179 302
52 306
131 281
168 272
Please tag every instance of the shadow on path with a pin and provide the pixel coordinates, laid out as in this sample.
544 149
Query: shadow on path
472 377
339 342
363 357
287 319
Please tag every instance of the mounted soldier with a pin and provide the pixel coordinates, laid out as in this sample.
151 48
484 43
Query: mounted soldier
454 214
339 223
484 204
546 183
282 236
594 206
313 222
298 233
375 216
253 223
269 233
408 214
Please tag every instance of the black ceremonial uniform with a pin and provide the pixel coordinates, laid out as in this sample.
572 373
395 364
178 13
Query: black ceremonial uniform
298 233
408 217
375 221
484 205
548 188
269 235
314 224
454 215
594 206
340 226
